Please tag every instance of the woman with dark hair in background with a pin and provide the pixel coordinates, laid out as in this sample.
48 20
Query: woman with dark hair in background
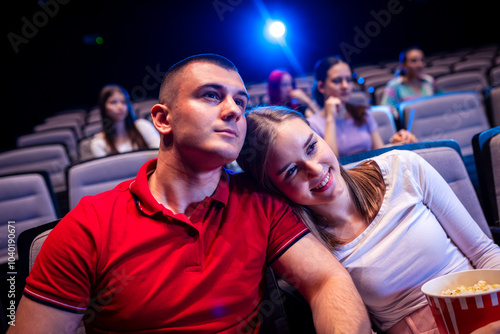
283 91
347 128
121 130
410 81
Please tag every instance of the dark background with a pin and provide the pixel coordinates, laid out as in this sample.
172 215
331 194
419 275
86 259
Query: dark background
55 69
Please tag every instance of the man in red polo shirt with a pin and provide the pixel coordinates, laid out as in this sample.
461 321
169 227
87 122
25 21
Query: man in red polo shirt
183 247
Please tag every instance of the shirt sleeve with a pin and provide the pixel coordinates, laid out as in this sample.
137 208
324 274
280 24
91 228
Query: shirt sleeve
453 216
65 267
286 229
149 133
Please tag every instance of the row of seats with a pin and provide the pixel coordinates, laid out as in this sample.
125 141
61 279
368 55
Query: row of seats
74 130
484 62
29 198
454 115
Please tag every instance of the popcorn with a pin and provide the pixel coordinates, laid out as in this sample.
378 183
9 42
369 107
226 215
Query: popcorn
480 286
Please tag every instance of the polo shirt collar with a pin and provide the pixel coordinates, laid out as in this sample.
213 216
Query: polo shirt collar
145 201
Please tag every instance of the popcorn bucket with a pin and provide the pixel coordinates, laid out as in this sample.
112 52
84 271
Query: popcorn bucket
463 313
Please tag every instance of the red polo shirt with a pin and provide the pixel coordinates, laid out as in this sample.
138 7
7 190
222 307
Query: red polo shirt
137 267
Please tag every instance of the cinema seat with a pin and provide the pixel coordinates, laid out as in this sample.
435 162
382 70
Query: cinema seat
486 146
97 175
385 121
51 158
454 115
27 199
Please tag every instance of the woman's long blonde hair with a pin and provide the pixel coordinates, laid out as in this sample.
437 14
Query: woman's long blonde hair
363 181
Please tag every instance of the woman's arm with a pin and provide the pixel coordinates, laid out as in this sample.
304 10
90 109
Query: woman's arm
331 109
98 146
312 106
377 141
454 217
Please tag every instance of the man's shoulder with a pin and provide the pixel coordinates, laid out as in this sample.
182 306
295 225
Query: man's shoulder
105 196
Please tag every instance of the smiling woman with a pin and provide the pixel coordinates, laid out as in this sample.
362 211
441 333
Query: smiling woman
370 215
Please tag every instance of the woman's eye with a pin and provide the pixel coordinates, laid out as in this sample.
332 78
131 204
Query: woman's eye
311 147
291 171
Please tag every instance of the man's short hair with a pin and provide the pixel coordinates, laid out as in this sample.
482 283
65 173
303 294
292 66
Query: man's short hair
165 88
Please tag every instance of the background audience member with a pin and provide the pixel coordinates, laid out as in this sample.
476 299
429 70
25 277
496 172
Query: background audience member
347 128
121 130
283 91
410 82
392 221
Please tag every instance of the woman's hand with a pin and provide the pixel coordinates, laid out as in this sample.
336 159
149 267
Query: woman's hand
332 107
403 137
300 96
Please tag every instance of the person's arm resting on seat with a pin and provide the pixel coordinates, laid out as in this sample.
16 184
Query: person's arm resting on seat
326 285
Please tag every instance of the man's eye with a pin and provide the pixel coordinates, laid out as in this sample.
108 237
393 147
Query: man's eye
211 95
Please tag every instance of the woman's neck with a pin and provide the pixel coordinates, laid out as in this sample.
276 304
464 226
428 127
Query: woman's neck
342 219
120 129
413 80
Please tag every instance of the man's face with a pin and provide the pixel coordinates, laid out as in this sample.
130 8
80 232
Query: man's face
207 114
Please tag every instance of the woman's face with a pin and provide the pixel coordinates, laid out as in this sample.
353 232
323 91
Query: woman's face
414 63
116 106
338 82
285 85
302 166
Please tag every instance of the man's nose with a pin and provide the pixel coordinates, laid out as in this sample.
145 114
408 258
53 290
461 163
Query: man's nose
230 109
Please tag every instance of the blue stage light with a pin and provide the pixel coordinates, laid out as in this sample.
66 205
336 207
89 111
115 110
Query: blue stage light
277 29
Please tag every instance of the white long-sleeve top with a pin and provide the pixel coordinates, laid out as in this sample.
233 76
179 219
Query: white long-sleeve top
151 136
422 231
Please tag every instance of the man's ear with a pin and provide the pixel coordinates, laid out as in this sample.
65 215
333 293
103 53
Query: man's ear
160 119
